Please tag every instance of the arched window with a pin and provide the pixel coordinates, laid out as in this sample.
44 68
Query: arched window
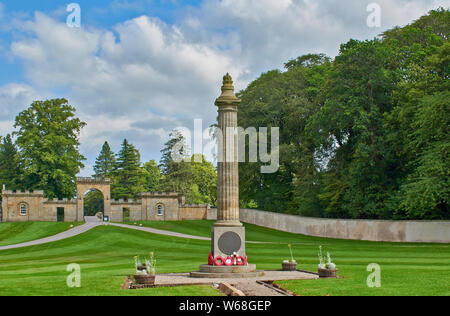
23 209
160 210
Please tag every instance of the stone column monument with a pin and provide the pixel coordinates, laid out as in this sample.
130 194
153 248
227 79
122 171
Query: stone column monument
228 257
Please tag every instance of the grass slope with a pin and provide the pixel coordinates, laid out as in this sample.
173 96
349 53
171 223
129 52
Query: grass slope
16 233
406 268
106 257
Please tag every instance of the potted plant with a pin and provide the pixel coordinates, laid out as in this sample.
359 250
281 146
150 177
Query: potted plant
145 272
328 269
289 265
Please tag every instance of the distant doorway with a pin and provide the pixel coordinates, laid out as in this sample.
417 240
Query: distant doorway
60 214
126 214
93 203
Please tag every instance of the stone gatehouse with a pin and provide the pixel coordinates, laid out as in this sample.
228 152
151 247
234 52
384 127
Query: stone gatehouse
27 206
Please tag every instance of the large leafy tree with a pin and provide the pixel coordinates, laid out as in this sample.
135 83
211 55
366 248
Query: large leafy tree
349 130
152 176
48 140
177 173
362 136
105 162
204 176
285 100
425 118
196 177
128 177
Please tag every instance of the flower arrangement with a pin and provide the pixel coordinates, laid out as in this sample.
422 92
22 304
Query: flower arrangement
329 264
292 260
147 268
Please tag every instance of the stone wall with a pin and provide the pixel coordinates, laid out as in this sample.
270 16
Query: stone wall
117 207
211 214
70 209
169 202
193 212
11 202
145 208
373 230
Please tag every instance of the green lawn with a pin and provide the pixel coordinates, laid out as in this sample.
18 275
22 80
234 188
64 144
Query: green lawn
105 255
16 233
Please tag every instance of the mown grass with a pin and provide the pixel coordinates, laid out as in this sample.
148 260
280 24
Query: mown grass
406 268
105 255
15 233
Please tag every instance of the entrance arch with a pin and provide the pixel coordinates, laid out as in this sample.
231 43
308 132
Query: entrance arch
93 203
84 185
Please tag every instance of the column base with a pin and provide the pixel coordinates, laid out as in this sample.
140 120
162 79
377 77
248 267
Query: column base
222 223
224 272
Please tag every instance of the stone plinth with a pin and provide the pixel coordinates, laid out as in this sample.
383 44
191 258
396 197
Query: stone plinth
220 272
226 241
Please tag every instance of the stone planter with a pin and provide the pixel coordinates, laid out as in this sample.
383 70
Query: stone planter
144 279
327 273
289 266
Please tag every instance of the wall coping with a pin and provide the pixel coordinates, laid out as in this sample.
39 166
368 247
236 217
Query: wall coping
159 194
122 201
88 180
23 193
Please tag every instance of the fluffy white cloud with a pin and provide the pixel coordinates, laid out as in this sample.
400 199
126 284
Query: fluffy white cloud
264 34
15 98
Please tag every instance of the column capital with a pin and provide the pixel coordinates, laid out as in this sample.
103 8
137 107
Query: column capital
227 98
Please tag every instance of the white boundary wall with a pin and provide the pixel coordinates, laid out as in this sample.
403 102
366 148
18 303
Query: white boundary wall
373 230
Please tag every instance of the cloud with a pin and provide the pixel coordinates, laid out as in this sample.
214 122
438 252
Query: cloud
263 34
15 98
144 77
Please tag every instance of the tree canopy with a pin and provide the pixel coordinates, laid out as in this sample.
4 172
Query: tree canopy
362 136
48 142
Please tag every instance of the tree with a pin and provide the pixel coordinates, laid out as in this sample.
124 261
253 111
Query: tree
177 173
204 177
9 163
196 180
48 140
425 118
152 176
362 136
128 177
285 100
93 203
105 162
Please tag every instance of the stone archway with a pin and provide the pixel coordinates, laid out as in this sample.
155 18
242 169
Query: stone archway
88 184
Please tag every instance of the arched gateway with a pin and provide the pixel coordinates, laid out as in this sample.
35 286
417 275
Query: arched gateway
87 184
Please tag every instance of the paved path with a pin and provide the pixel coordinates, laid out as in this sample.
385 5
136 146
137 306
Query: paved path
249 286
160 232
67 234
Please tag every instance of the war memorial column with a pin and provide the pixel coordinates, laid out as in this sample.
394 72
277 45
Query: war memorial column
228 257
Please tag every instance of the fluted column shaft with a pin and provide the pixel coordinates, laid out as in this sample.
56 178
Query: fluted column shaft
228 166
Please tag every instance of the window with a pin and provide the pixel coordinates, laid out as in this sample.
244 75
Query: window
160 209
23 209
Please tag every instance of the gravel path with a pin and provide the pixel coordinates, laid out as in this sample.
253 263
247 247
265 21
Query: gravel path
159 232
67 234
